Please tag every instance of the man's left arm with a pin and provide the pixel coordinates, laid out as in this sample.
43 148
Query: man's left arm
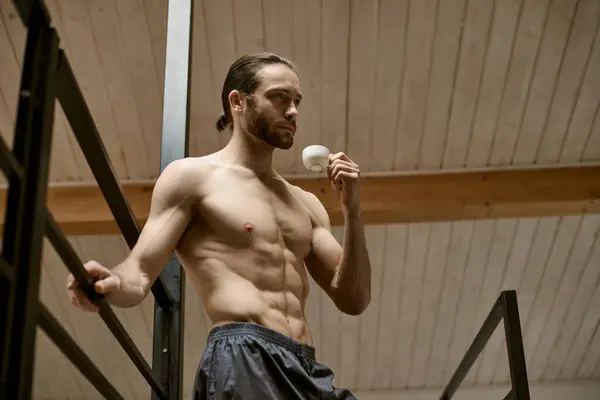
344 272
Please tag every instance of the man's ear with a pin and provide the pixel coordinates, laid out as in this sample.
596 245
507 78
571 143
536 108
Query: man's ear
235 100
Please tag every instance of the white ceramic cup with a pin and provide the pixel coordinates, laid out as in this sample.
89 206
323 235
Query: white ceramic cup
315 158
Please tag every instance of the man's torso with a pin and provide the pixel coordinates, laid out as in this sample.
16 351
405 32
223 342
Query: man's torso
245 247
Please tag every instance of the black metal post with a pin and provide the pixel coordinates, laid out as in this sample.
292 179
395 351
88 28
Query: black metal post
514 346
167 357
25 211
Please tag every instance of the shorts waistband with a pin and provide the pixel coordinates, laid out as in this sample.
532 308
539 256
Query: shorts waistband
259 331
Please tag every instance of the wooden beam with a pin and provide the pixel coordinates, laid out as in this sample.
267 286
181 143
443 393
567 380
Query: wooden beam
81 209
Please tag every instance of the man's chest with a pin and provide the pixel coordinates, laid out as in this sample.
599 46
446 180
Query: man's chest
245 212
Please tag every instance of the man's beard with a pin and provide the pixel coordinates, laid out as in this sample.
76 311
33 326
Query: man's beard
265 129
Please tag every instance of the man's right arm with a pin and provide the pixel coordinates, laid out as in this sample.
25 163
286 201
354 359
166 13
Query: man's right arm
171 210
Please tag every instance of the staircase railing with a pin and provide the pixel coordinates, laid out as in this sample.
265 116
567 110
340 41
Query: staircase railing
506 308
47 77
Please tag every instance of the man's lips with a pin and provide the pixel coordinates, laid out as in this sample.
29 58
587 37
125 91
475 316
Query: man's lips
290 128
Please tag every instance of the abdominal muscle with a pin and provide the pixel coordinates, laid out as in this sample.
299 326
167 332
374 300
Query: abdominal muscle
264 284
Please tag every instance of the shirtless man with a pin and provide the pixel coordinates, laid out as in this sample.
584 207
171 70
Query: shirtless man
246 239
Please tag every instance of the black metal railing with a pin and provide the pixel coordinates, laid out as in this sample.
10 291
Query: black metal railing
506 308
25 209
47 76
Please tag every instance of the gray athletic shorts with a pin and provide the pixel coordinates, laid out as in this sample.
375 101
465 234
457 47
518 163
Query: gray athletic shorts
248 361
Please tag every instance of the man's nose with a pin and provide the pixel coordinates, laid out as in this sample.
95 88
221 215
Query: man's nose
291 113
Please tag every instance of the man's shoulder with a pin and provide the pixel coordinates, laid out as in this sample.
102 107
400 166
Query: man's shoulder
182 177
306 197
189 169
312 203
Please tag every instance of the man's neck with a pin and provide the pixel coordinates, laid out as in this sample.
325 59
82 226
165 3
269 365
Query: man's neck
250 153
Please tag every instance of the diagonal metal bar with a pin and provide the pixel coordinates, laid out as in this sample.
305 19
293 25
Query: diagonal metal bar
509 396
74 264
26 7
487 329
85 130
514 346
73 352
8 162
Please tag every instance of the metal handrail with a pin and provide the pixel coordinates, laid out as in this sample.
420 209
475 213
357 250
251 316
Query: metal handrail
505 308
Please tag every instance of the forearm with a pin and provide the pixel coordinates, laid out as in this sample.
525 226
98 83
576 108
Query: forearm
133 288
352 280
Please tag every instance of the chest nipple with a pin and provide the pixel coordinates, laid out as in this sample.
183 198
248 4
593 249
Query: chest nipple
248 228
